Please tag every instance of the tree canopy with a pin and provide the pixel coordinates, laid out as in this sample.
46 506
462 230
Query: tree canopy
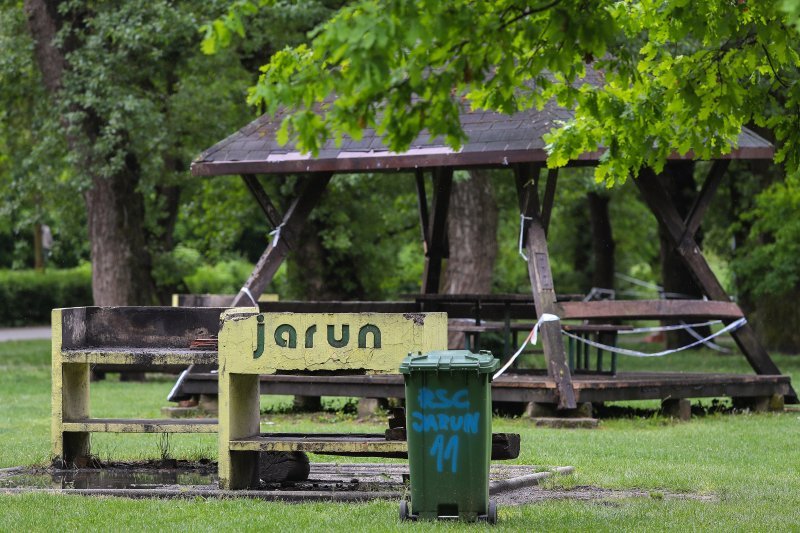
679 76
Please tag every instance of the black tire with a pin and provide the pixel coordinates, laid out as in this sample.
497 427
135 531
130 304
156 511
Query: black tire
491 516
403 510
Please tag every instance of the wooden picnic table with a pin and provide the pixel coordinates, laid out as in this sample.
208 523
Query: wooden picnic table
579 353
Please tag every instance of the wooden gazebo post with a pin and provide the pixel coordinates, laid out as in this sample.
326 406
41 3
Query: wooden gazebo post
535 218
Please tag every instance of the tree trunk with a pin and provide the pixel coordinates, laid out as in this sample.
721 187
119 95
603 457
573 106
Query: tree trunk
472 234
306 269
120 261
115 209
677 281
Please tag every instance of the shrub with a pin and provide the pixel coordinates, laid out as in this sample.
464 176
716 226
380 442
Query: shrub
28 296
225 277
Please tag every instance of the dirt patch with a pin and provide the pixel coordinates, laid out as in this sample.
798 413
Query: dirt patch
327 482
589 493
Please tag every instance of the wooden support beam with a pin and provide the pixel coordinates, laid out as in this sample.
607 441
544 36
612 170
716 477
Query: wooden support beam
527 174
437 240
292 221
549 197
522 173
258 192
663 208
703 200
422 204
544 294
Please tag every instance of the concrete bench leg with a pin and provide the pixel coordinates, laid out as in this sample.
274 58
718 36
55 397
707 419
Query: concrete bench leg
238 418
70 402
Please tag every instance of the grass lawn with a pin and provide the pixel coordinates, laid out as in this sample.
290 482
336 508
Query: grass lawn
749 462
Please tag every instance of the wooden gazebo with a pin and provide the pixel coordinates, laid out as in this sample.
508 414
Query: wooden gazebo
514 142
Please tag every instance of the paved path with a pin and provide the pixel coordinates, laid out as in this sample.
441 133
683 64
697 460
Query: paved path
25 334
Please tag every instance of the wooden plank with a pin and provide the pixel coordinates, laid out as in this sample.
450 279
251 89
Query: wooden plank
258 192
529 387
648 309
659 202
443 180
138 425
353 445
504 445
523 173
549 197
544 296
703 200
667 389
335 306
422 205
140 356
293 221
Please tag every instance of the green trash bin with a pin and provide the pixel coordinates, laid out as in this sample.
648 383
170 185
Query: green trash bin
449 432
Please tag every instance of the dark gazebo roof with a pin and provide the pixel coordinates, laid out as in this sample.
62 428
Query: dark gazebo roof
494 140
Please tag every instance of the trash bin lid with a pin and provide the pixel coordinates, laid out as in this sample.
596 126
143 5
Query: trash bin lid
482 362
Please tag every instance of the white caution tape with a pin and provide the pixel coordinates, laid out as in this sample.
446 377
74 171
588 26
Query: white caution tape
532 337
276 234
669 328
633 353
249 294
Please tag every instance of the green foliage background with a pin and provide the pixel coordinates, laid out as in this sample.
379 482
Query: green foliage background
679 75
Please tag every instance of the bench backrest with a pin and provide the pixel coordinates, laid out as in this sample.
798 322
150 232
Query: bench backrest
269 343
134 327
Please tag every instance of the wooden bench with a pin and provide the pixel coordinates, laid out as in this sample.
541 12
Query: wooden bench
143 336
253 344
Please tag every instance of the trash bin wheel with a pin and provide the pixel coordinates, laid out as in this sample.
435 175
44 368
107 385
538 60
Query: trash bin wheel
403 510
491 516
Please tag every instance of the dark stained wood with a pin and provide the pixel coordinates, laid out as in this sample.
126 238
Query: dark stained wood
648 309
154 422
468 297
659 202
153 329
703 200
258 192
531 387
443 180
544 295
523 174
293 221
422 205
549 197
505 446
332 306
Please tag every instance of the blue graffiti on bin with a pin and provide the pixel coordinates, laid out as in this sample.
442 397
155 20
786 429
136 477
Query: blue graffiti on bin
453 416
